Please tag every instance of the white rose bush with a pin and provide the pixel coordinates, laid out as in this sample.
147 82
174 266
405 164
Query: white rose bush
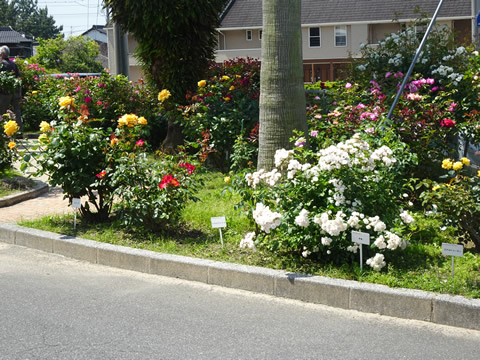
311 201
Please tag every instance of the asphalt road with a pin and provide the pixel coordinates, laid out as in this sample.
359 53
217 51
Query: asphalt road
52 307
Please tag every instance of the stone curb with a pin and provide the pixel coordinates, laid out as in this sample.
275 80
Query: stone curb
39 189
346 294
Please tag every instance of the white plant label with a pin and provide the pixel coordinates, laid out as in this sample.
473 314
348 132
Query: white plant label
452 249
218 222
76 203
361 238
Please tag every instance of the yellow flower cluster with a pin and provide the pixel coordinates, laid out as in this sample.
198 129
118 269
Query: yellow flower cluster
202 83
43 137
44 127
164 95
448 164
66 101
130 120
11 128
225 78
11 144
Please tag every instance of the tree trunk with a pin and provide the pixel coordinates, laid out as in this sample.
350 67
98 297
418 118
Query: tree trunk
282 94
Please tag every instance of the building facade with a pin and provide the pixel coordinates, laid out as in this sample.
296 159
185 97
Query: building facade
332 31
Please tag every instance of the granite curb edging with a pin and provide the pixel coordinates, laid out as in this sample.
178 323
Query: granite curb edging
346 294
39 189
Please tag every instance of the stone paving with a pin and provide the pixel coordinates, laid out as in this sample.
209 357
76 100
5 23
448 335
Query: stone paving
49 203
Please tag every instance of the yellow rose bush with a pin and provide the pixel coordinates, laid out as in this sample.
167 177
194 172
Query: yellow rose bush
456 201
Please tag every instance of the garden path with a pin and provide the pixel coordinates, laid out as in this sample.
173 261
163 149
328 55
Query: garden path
49 203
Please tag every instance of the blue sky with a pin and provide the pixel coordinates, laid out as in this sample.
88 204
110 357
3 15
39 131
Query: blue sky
76 16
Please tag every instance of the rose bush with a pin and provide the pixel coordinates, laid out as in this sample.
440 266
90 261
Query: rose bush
311 201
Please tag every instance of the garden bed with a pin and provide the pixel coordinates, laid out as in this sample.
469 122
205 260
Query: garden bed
420 266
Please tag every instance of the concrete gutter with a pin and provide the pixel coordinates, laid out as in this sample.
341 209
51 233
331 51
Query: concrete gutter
39 189
345 294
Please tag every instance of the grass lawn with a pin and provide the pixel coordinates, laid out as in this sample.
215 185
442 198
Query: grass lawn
9 184
420 266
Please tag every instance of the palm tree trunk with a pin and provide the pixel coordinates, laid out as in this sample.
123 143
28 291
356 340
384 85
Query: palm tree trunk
282 94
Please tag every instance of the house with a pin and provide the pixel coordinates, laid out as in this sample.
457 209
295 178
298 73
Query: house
334 30
123 44
98 34
19 45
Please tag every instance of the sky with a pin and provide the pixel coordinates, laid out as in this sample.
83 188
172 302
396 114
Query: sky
76 16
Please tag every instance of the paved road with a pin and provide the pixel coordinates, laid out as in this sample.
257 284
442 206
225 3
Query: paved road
52 307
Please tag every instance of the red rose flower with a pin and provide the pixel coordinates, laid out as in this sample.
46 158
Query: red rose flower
447 123
101 174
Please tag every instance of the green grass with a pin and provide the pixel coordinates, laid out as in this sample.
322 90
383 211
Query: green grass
420 266
6 190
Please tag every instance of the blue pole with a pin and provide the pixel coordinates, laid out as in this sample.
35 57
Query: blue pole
414 61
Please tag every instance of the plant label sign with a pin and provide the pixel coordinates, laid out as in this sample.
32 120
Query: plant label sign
76 203
452 249
361 238
218 222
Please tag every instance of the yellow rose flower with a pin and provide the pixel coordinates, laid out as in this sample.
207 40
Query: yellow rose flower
232 88
447 164
164 95
478 173
227 179
227 98
457 166
43 137
142 121
11 128
34 92
225 78
238 76
128 120
202 83
44 127
11 144
435 188
66 101
465 161
114 141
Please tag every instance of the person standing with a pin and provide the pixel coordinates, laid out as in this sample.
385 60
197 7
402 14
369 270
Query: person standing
11 98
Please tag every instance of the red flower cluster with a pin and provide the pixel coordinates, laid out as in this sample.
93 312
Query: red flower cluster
190 168
447 123
101 174
168 180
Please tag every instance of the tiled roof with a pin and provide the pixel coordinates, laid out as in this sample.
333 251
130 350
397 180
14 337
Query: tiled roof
10 36
248 13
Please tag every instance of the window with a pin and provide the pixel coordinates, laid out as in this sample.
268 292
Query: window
420 30
260 33
340 36
249 35
314 35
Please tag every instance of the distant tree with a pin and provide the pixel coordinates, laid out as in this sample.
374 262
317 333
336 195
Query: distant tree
74 54
176 40
26 17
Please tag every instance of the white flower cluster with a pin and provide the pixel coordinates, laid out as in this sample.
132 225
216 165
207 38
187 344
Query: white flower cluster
390 241
396 60
247 241
338 198
302 218
332 227
377 262
353 152
282 157
406 217
270 178
267 219
442 70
